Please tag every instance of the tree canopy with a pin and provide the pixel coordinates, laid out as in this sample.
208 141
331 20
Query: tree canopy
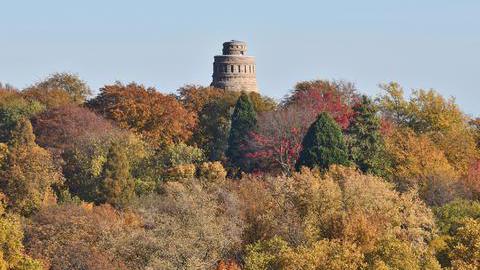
205 178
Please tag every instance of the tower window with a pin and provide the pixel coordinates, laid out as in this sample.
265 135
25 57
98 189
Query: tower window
231 68
239 70
224 68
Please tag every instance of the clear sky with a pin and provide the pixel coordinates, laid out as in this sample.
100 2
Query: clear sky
166 44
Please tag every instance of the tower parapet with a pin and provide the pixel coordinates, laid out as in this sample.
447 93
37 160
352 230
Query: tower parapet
234 70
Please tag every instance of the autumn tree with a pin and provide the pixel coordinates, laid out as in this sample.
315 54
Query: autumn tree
13 255
297 221
364 139
418 163
51 98
50 90
61 127
244 122
323 145
277 142
158 118
71 236
465 245
392 253
336 98
213 108
428 113
450 216
28 173
470 181
195 97
187 227
83 164
176 160
323 255
475 126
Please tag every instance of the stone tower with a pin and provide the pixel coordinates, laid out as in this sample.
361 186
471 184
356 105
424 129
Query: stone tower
233 70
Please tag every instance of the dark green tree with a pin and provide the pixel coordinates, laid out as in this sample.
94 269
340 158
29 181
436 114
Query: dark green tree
213 129
244 121
364 139
118 185
323 145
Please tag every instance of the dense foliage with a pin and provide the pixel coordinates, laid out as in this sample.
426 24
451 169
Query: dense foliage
158 118
323 145
212 179
244 122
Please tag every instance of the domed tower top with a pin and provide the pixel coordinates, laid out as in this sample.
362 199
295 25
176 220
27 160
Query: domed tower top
234 47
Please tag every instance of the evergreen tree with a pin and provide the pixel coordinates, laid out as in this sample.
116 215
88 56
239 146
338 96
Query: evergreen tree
364 140
244 121
118 185
323 145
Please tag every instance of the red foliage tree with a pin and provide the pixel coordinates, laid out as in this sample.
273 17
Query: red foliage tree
61 127
471 181
278 140
277 143
336 98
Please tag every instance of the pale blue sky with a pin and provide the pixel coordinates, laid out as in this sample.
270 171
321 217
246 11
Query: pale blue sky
166 44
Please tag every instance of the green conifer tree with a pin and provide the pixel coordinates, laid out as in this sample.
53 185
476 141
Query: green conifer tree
364 140
118 186
323 145
244 121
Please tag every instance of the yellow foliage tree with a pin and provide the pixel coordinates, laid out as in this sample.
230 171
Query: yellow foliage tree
28 172
418 163
440 119
12 254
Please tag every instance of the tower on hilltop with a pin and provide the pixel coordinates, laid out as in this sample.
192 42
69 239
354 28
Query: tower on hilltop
234 70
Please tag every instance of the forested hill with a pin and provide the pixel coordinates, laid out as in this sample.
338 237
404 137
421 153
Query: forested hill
326 178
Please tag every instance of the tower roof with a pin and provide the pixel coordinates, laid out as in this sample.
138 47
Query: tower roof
234 47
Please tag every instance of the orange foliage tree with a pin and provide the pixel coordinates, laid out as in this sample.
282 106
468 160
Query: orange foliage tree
160 119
